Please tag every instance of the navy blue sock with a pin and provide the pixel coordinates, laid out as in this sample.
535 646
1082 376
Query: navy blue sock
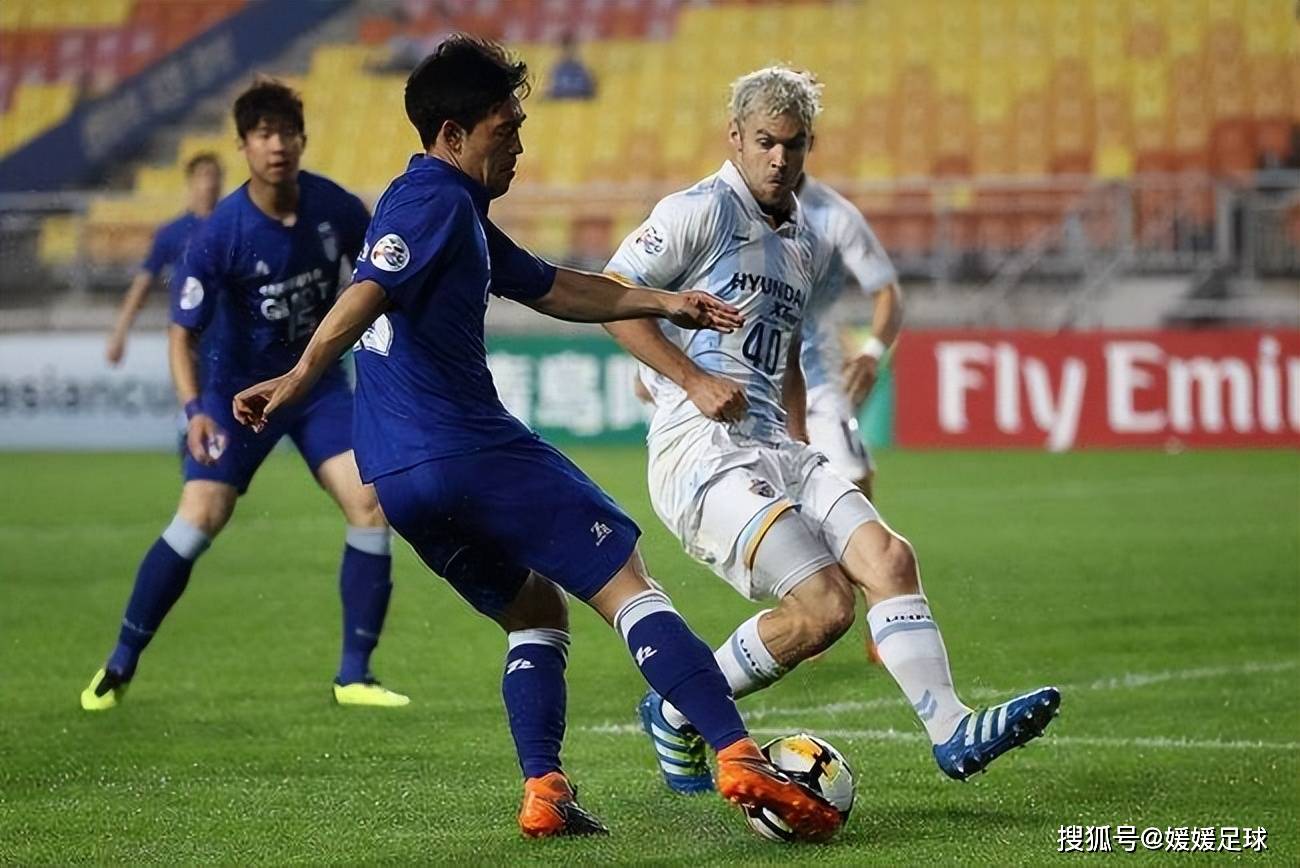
159 583
535 697
365 584
680 667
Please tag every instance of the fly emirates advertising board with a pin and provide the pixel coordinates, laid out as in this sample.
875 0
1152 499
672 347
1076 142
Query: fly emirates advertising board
1222 388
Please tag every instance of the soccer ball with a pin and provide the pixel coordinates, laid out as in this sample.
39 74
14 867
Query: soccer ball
814 763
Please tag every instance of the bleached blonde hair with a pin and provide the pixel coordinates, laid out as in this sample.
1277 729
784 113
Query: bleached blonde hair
777 90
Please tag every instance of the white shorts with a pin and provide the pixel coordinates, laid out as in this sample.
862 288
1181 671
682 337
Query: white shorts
719 494
833 431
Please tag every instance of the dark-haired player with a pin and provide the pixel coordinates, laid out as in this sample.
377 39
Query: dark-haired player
258 277
510 522
203 188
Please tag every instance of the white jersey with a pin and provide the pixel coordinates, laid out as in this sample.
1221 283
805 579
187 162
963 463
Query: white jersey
714 237
857 257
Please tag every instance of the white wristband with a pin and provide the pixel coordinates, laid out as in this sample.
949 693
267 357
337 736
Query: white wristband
874 347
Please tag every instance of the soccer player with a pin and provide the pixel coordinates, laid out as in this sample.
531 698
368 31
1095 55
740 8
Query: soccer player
203 180
837 387
258 276
506 519
728 473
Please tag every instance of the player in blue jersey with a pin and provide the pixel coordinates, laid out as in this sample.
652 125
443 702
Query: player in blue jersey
203 183
257 278
505 518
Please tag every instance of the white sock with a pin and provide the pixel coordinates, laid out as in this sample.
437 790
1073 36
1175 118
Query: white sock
745 661
911 648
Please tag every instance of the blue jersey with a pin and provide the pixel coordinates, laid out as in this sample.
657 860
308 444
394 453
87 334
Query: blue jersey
423 386
169 244
260 288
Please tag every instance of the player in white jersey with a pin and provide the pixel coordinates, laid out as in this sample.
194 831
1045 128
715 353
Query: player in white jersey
837 387
730 472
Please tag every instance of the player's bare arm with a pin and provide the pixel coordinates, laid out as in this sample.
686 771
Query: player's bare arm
580 296
356 308
719 398
203 436
126 314
794 391
861 370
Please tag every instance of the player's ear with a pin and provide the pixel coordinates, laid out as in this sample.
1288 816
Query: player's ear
733 133
452 134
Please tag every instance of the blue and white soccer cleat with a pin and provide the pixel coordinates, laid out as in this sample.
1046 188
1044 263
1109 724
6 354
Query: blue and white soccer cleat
986 734
680 751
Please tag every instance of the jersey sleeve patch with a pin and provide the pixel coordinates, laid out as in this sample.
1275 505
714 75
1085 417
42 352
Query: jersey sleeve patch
191 293
651 240
390 253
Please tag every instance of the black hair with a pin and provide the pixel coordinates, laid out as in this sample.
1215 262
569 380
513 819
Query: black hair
202 158
268 100
462 81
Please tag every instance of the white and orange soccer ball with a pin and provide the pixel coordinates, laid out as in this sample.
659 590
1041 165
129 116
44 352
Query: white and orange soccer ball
816 764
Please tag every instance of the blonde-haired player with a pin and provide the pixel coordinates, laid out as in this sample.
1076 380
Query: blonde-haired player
729 472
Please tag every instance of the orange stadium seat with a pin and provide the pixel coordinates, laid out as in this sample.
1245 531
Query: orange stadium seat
89 45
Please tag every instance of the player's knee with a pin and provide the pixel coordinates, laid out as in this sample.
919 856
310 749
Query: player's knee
365 511
541 604
207 508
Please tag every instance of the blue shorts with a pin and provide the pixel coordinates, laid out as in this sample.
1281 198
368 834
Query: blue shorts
320 426
482 521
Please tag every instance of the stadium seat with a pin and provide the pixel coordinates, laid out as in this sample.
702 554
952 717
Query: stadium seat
914 88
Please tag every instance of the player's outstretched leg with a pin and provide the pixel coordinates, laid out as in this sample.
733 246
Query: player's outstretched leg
815 609
159 582
912 650
681 668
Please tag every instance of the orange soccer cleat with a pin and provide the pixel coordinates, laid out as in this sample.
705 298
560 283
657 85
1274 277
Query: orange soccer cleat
551 809
745 777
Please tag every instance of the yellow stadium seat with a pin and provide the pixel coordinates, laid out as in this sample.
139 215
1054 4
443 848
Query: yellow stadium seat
1113 161
60 238
50 14
911 87
34 109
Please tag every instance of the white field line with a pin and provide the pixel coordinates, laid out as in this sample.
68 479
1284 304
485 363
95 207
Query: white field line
895 735
1127 681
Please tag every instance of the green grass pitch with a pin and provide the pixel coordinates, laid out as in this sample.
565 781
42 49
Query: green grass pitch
1160 591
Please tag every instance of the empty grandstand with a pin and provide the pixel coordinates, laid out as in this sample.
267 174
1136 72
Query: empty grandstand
1002 145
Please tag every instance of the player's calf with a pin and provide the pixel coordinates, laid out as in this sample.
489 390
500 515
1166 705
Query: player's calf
676 664
810 619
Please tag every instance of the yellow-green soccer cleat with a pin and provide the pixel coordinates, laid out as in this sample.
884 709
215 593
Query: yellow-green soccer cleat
105 691
369 693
